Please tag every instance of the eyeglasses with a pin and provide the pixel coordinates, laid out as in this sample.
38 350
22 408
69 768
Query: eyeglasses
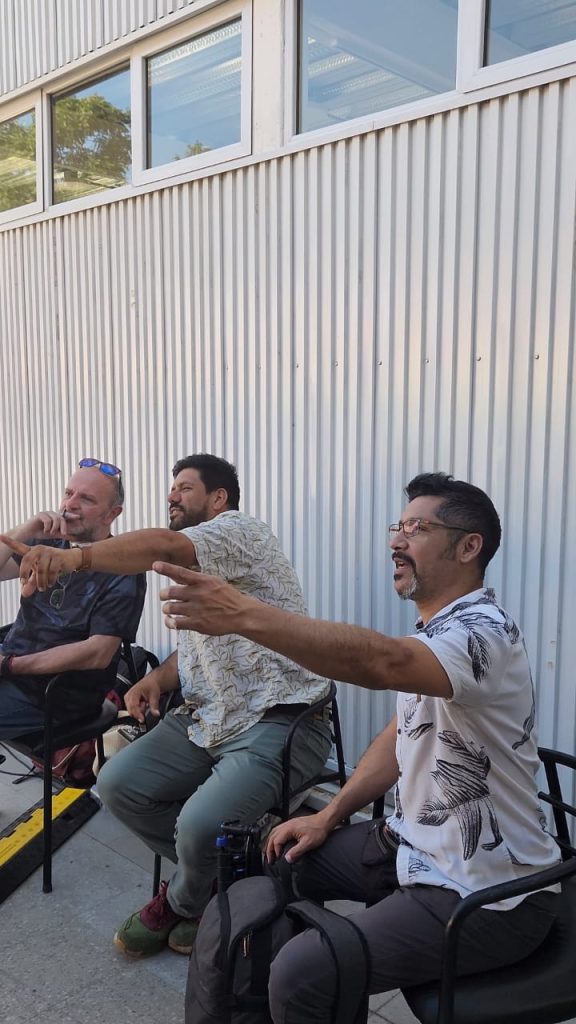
57 594
104 467
410 527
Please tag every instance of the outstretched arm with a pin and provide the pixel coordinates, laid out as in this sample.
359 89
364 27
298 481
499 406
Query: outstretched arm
127 554
332 649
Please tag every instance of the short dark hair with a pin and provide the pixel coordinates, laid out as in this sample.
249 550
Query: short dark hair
214 473
463 504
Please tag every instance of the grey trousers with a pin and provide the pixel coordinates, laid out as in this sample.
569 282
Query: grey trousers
174 794
403 929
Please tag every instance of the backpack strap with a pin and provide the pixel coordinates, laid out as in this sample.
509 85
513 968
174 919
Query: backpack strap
350 953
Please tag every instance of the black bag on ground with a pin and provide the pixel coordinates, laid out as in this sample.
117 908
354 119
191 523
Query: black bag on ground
241 932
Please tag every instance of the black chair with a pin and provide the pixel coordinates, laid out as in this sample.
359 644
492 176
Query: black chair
541 989
288 795
41 745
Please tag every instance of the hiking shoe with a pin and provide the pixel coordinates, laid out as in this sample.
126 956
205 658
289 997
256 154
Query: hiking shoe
183 935
146 932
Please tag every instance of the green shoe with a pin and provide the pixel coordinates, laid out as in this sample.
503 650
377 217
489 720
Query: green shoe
146 932
183 935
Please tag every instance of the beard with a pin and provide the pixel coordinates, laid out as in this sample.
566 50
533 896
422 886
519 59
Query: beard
408 593
182 520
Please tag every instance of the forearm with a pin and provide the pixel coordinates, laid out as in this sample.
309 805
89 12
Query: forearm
335 650
376 773
95 653
135 552
127 554
166 675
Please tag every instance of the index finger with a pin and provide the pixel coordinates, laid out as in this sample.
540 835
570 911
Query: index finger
176 572
17 545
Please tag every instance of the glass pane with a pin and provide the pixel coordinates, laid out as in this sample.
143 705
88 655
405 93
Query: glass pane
358 58
194 96
91 144
516 27
18 161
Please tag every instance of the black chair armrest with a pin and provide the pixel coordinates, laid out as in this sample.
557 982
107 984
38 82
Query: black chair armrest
484 897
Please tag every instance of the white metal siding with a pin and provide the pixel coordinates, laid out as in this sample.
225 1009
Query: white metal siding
334 321
37 36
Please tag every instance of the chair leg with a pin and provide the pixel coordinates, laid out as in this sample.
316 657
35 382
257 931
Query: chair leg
100 756
47 808
157 872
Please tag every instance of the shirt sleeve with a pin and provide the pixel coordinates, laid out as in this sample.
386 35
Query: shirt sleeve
474 653
229 545
119 607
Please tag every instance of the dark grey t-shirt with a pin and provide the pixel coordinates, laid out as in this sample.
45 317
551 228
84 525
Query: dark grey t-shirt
78 606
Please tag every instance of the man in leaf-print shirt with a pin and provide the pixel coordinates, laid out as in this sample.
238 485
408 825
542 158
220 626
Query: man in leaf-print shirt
460 752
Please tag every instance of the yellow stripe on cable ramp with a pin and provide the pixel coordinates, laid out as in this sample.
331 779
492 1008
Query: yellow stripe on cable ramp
26 828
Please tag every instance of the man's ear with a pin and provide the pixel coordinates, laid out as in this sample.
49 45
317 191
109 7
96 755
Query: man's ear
219 499
470 547
114 512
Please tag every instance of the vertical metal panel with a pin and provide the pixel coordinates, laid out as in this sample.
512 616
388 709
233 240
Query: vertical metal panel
37 36
334 321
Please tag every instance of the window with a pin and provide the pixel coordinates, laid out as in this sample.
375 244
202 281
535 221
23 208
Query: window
91 138
194 93
360 58
18 170
517 27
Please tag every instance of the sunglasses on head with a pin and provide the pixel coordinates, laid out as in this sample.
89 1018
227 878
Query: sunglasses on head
104 467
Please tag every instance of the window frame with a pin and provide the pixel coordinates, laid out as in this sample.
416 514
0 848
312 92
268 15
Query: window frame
65 89
473 75
9 112
171 38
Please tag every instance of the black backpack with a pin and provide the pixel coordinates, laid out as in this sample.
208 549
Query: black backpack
242 930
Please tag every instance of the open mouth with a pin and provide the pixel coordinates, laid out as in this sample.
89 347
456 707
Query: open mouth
401 565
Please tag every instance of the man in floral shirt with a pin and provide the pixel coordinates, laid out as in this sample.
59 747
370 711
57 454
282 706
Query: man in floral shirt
461 754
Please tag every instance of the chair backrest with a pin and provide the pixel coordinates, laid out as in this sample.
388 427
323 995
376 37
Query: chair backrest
561 808
327 774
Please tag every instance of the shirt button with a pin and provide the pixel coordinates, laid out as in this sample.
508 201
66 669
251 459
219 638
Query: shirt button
399 732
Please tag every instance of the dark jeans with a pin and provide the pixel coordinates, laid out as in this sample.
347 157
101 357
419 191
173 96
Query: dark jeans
403 929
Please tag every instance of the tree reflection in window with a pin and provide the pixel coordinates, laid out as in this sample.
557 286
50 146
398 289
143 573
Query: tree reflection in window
18 161
91 138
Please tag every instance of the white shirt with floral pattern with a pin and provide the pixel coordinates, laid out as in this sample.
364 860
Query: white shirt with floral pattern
467 809
229 682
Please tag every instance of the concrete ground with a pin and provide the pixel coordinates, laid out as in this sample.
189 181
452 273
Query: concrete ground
59 965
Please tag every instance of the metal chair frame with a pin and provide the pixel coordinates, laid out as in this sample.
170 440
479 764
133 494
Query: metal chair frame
42 744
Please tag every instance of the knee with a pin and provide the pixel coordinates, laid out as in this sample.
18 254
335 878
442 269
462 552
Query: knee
303 981
195 834
110 784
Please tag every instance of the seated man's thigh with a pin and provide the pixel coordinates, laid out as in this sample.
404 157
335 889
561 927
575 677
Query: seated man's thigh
161 765
244 783
404 939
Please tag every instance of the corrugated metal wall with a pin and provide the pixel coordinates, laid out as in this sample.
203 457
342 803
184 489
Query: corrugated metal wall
334 321
37 37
